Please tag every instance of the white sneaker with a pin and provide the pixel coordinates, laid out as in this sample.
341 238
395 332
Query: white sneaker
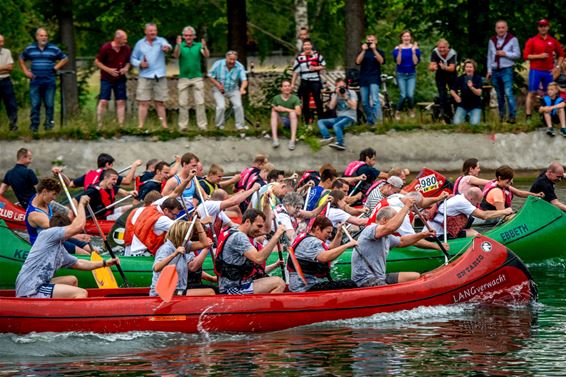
291 145
326 141
275 143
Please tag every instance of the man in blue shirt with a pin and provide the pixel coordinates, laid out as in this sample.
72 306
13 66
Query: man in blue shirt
149 57
46 59
230 81
370 59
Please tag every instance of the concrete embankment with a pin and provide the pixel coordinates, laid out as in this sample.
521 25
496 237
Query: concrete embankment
437 150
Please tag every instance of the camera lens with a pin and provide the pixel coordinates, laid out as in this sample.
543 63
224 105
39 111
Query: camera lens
342 90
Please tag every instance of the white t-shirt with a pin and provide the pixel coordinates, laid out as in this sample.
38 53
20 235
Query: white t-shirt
395 202
161 226
285 220
337 216
456 205
213 208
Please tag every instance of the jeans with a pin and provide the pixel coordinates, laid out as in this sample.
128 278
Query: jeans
445 100
9 98
235 99
338 124
42 91
460 116
371 103
502 80
407 83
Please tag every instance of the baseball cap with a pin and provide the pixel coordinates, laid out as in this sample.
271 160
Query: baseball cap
543 22
395 181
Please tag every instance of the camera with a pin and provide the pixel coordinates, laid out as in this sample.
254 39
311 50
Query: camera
342 90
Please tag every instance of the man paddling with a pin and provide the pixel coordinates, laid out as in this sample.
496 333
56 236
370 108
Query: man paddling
239 262
104 162
36 278
546 181
374 243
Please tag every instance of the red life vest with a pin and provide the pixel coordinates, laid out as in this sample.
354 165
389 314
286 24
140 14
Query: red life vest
456 188
107 199
309 175
248 270
353 167
485 205
92 177
143 228
245 176
317 269
374 185
382 204
129 228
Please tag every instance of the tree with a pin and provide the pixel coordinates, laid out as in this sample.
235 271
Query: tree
301 18
238 29
64 12
355 29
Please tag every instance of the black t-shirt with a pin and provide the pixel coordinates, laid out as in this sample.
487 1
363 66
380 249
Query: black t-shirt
148 186
146 176
96 200
470 101
543 184
22 180
80 182
206 186
371 174
442 75
370 69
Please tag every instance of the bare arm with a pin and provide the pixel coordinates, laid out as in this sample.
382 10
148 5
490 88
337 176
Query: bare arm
60 64
394 223
78 223
261 256
412 239
557 203
332 254
486 215
131 174
238 197
3 188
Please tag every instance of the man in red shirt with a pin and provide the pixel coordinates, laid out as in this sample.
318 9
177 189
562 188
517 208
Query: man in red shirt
113 59
541 51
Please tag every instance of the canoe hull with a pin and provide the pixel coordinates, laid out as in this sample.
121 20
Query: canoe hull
486 273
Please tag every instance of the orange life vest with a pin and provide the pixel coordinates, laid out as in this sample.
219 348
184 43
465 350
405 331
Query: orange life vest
143 229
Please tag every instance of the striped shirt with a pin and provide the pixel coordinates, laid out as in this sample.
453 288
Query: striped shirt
43 61
229 78
303 64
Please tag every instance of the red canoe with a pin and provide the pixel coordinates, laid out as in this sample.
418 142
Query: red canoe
487 272
14 215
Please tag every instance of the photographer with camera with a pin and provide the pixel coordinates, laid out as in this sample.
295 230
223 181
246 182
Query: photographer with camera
370 59
345 101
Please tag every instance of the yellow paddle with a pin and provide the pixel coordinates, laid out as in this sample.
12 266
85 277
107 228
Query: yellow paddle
103 276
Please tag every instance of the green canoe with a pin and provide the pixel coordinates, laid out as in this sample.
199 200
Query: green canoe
536 233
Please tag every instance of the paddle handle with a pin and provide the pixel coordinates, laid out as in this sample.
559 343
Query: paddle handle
355 187
113 204
418 213
206 213
106 244
73 207
445 223
279 251
307 199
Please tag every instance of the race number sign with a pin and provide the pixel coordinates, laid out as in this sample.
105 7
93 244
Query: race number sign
428 183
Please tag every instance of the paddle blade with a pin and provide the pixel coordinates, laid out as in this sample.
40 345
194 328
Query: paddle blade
297 265
167 283
103 276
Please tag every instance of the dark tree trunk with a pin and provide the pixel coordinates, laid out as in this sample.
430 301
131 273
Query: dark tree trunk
479 30
355 27
238 28
64 14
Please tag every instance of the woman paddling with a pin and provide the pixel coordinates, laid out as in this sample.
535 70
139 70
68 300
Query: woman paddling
173 251
497 194
469 178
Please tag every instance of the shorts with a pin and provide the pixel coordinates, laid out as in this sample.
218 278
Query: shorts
183 292
149 89
72 243
44 291
285 121
118 87
537 77
392 278
333 285
242 289
555 118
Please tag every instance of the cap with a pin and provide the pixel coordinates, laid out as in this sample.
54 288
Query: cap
543 22
395 181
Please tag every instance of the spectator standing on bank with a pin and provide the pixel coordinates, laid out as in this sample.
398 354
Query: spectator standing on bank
6 87
502 51
149 57
191 56
46 59
407 55
540 51
113 60
443 61
370 59
308 65
467 91
230 82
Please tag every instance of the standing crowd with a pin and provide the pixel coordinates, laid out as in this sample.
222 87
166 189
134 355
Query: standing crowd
459 97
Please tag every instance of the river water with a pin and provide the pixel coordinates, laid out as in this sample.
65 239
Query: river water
461 340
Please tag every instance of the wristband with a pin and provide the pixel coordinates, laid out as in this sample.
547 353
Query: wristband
104 263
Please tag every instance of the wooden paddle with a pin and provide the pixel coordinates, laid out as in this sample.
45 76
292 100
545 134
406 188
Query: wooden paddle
168 278
106 245
418 213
